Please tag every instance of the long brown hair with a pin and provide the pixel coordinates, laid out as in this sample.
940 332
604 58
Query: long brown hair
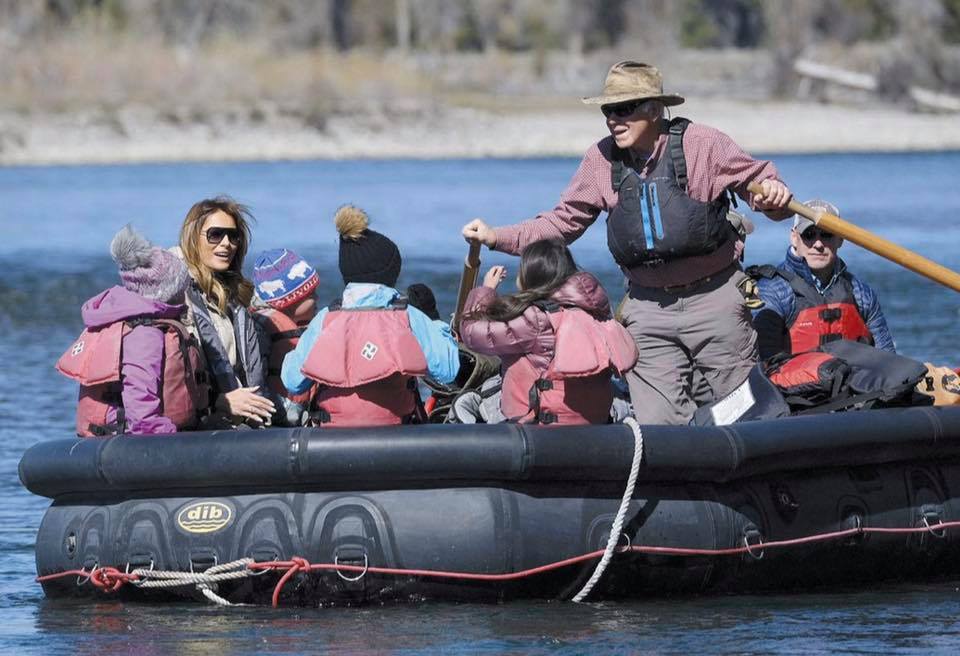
220 287
544 267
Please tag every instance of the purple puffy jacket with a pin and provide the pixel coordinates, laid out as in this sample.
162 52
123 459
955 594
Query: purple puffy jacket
142 355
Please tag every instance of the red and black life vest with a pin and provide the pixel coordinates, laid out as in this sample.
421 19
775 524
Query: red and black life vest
655 220
95 361
284 334
820 317
365 361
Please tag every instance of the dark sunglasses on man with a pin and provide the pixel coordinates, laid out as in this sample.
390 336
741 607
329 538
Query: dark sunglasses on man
215 235
812 234
621 110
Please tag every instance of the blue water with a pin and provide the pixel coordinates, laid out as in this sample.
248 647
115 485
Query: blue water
57 223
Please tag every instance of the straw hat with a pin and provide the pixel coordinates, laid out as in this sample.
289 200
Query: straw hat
630 80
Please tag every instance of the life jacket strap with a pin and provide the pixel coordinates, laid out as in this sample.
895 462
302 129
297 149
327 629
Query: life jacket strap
318 417
675 148
287 334
117 427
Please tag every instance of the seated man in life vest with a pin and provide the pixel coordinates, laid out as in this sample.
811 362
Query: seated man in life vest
364 353
811 298
287 295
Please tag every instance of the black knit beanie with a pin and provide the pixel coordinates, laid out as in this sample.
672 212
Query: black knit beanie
421 297
365 255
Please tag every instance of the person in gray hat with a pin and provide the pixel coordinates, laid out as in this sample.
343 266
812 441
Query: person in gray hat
666 186
812 298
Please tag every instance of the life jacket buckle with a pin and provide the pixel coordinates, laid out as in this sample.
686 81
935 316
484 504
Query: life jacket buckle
548 418
831 314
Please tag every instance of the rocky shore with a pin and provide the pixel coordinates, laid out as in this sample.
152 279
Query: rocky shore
552 129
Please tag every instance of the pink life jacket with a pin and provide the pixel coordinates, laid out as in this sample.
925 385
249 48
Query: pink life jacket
365 360
284 335
95 360
575 388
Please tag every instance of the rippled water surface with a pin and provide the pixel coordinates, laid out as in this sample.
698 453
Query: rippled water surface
57 222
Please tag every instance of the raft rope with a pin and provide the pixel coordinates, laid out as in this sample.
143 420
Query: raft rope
206 581
111 579
617 527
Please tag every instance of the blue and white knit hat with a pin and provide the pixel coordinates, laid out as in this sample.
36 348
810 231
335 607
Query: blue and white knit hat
283 278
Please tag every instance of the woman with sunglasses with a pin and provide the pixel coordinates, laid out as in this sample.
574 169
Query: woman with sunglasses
812 298
214 239
666 186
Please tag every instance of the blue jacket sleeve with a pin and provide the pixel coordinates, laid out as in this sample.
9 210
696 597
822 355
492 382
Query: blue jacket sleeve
869 305
290 375
439 347
776 296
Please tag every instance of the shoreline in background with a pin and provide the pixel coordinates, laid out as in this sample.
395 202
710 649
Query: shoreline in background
554 128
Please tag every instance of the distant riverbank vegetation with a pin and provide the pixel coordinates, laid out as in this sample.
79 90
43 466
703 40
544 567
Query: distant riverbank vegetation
186 59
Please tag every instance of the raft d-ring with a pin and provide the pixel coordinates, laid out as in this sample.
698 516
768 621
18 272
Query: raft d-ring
263 571
931 528
86 579
625 548
216 561
126 570
352 579
748 547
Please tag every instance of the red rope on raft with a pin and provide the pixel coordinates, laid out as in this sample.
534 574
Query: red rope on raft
111 579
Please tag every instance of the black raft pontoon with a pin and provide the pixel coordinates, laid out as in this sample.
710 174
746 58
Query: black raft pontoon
505 511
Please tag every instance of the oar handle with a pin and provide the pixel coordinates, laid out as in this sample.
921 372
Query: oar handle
874 243
468 280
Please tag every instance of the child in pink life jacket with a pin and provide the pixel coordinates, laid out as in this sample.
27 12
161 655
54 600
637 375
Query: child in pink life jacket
556 338
140 370
287 288
364 353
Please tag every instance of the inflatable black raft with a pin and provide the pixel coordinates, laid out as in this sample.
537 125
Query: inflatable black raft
506 511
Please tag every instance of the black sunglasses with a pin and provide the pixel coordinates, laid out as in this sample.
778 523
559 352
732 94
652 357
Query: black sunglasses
621 110
215 235
812 234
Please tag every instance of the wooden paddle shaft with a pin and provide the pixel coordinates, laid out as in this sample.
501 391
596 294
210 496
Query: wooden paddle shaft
874 243
468 280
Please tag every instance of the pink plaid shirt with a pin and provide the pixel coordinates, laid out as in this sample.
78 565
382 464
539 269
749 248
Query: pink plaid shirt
714 163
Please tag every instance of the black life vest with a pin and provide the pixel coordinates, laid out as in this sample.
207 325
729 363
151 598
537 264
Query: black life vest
819 318
654 219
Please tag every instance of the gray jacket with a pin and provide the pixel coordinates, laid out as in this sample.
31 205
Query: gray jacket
251 367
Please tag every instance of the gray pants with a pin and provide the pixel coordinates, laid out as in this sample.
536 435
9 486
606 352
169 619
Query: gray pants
703 329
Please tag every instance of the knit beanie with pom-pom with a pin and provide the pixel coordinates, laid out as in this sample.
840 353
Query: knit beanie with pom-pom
365 255
148 270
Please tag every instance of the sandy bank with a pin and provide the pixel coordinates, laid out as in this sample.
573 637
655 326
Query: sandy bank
138 135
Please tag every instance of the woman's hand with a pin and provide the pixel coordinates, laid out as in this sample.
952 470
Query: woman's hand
494 276
478 230
244 402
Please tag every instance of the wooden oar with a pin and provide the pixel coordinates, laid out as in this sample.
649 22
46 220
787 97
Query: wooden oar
882 247
468 280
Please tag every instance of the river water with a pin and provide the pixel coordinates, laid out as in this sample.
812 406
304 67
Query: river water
57 223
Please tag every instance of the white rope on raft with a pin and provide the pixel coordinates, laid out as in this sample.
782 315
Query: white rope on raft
617 527
206 581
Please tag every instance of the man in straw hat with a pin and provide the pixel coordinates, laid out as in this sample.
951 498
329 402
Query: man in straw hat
665 186
812 297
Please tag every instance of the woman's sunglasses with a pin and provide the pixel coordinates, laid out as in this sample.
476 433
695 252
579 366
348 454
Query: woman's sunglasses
621 110
813 234
215 235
